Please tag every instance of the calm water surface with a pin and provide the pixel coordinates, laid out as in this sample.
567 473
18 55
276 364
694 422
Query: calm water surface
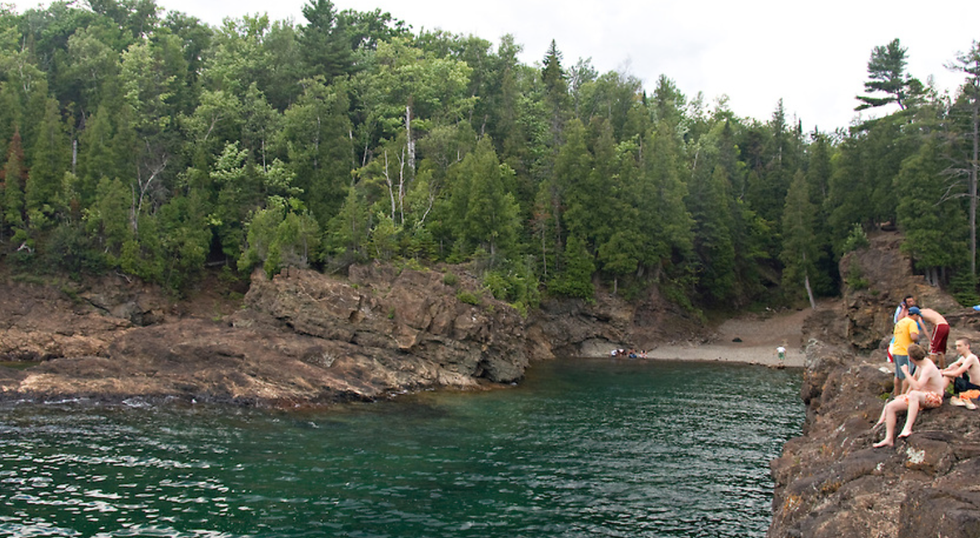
582 448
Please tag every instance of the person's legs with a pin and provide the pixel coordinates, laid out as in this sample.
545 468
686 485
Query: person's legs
888 413
915 401
900 382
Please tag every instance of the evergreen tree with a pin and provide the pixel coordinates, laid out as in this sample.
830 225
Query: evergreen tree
14 181
800 252
965 116
886 71
935 233
42 192
324 44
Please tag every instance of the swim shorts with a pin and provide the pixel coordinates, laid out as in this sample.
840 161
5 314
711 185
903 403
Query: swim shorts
931 400
939 339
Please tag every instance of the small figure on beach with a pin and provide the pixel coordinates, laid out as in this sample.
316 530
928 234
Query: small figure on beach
781 355
926 392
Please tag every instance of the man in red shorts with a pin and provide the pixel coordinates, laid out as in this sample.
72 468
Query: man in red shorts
940 333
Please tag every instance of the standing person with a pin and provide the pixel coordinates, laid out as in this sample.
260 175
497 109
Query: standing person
906 333
926 393
964 373
902 309
940 335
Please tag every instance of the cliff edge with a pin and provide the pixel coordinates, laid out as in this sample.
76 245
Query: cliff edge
830 482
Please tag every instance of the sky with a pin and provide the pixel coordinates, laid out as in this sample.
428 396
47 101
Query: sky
812 55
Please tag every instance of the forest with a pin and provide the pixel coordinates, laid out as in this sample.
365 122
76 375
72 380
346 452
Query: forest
154 145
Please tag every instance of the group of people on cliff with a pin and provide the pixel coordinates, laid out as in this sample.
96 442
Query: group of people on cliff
922 377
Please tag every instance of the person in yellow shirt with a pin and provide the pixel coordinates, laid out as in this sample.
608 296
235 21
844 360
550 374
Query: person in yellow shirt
906 334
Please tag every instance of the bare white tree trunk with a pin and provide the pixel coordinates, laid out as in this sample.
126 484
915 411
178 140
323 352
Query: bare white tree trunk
391 190
408 137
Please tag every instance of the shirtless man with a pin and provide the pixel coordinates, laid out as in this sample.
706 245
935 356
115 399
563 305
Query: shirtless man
940 333
964 371
926 393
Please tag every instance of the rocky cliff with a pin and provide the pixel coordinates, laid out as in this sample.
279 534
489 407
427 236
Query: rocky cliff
301 337
830 482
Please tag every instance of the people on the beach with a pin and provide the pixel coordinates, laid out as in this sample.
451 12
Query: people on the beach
906 333
926 392
964 370
940 334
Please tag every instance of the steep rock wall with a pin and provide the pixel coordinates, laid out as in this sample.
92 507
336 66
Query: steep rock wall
830 482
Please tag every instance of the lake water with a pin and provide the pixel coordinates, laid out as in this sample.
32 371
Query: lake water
581 448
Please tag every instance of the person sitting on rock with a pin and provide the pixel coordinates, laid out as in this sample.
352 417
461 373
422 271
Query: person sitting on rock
964 370
926 393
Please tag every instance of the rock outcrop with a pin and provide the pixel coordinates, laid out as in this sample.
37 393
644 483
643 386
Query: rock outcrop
831 482
298 338
301 336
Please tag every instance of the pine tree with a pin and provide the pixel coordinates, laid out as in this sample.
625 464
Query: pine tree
48 166
14 181
886 71
799 253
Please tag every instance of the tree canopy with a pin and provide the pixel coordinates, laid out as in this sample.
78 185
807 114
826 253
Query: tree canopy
149 143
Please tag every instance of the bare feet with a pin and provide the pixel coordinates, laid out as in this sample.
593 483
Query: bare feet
885 442
904 434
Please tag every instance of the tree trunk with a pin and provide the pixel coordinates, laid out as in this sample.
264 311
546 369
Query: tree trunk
408 136
809 292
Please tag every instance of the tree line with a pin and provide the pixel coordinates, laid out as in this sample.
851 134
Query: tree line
149 143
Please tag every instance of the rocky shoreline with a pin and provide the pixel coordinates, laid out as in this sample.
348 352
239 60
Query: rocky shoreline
830 482
301 338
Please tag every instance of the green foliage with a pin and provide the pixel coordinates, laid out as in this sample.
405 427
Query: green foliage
576 279
450 279
886 73
516 286
799 254
469 297
855 277
280 236
856 240
348 138
963 287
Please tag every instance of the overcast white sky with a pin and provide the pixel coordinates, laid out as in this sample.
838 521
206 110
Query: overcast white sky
813 55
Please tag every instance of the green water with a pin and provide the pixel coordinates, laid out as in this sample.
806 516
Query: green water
582 448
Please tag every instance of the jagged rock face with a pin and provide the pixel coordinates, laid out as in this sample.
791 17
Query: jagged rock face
301 337
411 313
887 278
573 327
831 482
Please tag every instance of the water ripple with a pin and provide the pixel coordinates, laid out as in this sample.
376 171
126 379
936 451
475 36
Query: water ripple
583 448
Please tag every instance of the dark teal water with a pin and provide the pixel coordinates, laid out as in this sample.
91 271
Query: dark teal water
582 448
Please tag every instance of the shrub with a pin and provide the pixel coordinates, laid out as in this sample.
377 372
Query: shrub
856 239
468 297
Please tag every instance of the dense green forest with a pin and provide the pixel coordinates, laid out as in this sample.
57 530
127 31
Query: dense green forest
152 144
